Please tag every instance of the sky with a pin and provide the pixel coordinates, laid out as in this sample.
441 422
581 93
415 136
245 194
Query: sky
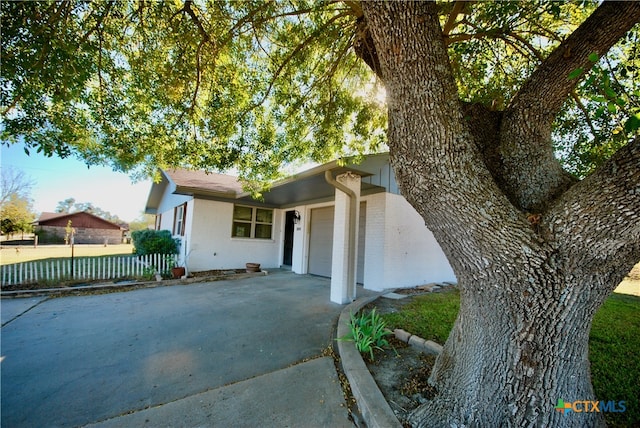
59 179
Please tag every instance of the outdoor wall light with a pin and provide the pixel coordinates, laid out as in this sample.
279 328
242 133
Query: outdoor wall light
296 217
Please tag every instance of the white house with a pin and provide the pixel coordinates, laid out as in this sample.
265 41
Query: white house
304 223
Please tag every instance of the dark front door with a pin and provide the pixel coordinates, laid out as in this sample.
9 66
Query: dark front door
289 226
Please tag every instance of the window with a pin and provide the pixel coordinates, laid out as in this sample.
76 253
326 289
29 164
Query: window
179 214
252 222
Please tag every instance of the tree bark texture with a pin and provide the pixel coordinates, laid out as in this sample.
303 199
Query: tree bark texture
530 282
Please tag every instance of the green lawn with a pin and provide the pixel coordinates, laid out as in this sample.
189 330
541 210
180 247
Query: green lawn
9 255
614 348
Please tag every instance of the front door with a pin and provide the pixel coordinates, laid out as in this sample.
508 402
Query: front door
289 226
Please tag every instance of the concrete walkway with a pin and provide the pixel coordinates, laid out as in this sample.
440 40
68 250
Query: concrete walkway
241 353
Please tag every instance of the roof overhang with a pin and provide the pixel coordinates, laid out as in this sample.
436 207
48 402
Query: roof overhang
155 194
307 186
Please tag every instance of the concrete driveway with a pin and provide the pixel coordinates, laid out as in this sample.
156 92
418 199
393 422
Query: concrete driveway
78 360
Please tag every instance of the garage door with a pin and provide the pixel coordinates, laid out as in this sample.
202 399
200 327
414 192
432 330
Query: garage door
321 242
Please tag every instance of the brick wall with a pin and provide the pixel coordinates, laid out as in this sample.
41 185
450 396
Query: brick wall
400 250
56 234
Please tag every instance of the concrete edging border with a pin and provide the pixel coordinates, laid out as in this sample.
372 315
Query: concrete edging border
374 408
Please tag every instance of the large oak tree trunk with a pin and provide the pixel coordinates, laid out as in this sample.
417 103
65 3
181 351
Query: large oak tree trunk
530 282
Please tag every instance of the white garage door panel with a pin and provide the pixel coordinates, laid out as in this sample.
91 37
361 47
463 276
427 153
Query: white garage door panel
321 241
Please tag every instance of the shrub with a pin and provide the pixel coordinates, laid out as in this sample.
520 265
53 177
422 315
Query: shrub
154 242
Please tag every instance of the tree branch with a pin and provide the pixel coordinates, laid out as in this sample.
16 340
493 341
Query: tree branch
98 24
458 6
189 11
299 48
599 218
597 35
355 7
532 175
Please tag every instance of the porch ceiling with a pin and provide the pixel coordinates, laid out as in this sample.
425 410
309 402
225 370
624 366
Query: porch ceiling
308 186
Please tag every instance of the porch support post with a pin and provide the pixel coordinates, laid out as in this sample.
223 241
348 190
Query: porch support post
345 237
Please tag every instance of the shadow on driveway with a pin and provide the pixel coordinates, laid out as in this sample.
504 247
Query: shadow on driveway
77 360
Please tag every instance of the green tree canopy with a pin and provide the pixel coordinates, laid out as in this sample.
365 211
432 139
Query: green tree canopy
15 201
17 214
255 84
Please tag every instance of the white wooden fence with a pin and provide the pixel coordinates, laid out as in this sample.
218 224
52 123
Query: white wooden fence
85 268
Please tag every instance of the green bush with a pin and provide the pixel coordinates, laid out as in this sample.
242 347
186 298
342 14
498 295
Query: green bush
154 242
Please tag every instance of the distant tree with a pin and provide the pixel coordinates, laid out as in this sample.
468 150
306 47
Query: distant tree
17 215
15 182
66 206
87 207
143 222
15 201
70 205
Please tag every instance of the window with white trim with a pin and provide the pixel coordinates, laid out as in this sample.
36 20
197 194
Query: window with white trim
252 222
179 214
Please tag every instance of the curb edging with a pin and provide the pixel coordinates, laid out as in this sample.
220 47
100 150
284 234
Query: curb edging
374 408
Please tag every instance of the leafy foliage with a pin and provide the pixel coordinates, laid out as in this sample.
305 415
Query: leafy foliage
253 85
495 46
144 221
17 215
368 331
607 115
244 84
154 242
16 205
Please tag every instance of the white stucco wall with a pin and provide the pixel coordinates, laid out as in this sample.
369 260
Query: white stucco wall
166 209
212 247
168 202
400 251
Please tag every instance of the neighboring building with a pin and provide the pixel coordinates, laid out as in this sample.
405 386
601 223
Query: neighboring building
302 223
87 228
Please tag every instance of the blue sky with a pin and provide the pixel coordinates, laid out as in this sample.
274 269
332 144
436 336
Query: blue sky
58 179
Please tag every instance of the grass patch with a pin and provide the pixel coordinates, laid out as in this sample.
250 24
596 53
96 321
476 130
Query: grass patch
11 255
429 316
614 345
614 350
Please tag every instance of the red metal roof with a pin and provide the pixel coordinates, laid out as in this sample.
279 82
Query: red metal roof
78 219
